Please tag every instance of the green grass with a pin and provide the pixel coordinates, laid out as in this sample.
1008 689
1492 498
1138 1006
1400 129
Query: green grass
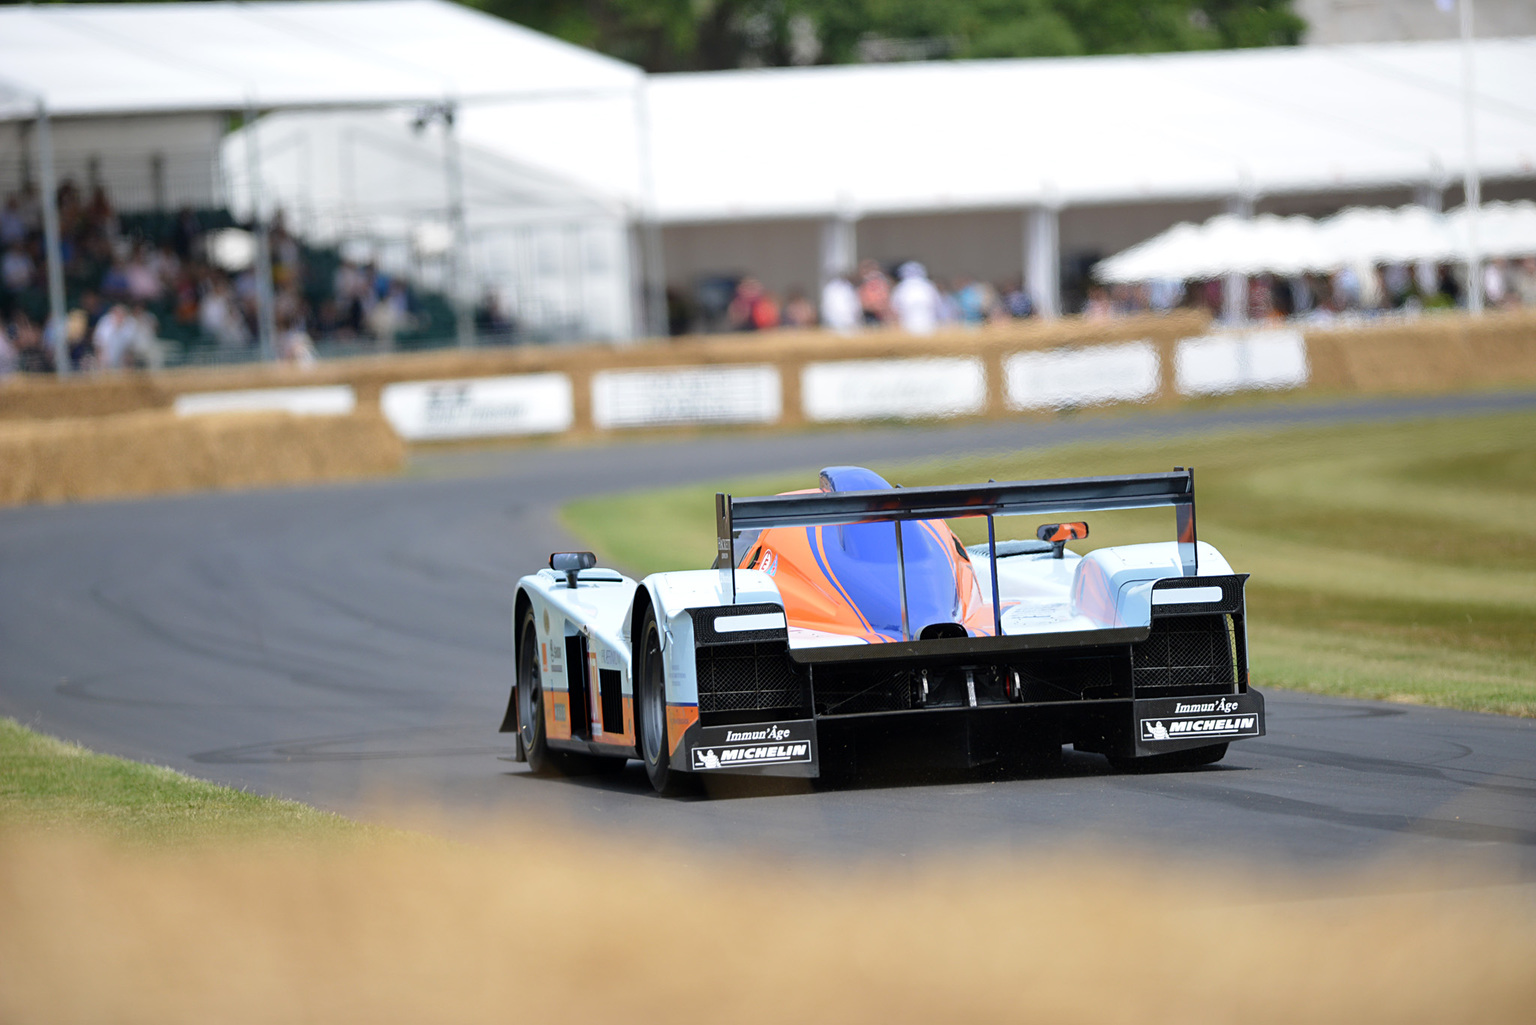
1393 561
51 784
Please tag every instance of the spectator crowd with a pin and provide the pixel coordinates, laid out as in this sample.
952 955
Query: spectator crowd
141 284
1347 293
134 283
904 296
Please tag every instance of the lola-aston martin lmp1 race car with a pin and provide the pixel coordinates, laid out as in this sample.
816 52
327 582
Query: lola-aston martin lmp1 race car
849 622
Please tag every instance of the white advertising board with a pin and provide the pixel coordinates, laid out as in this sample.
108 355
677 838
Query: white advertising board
1119 372
479 407
327 400
877 389
1215 364
747 394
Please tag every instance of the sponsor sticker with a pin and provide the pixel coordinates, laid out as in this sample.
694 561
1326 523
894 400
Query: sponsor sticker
750 754
732 747
1184 727
1222 705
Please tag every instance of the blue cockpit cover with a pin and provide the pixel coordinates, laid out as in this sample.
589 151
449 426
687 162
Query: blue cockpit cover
861 560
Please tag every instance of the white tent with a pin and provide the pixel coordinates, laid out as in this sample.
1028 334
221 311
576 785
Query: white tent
556 254
1357 236
76 63
101 59
790 171
978 134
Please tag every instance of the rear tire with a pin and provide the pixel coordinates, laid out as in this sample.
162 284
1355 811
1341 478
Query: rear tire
530 699
1171 761
651 710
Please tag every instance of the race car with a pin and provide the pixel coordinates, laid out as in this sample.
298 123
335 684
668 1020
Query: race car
847 623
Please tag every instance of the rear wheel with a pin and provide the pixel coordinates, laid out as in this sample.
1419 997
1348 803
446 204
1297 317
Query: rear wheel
1172 760
651 701
530 698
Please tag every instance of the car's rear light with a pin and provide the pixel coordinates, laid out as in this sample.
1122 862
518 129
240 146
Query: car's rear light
753 621
1186 595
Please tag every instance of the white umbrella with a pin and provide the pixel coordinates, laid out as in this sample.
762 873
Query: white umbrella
1287 246
1503 229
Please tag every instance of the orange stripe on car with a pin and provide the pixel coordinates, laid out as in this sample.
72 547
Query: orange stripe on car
679 718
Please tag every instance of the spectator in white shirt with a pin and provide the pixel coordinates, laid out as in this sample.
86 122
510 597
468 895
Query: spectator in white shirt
915 300
115 334
840 309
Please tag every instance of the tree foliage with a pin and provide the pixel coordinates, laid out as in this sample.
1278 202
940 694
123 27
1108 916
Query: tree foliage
697 35
710 35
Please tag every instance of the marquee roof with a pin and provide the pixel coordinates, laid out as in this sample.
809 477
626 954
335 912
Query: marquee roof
119 59
956 134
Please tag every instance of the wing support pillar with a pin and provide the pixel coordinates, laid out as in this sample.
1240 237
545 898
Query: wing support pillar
725 547
1184 517
997 605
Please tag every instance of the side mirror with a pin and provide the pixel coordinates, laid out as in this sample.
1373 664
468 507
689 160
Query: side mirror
571 563
1059 534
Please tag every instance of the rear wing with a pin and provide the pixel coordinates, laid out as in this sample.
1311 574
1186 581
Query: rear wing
992 499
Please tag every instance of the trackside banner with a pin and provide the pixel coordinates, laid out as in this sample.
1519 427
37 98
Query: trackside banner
479 407
745 394
1125 372
323 400
1217 364
881 389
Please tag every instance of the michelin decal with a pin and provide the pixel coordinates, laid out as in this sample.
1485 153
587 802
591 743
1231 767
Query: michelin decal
738 747
1186 727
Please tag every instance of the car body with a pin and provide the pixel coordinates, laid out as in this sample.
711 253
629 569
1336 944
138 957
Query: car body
849 622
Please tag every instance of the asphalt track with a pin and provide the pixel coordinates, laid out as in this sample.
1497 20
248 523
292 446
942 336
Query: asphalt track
342 645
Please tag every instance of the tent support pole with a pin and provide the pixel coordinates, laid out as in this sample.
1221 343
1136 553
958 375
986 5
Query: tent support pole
1471 181
1430 196
458 274
1042 260
56 331
839 243
653 274
266 328
1234 292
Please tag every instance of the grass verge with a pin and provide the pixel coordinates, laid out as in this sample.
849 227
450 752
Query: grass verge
1393 561
52 785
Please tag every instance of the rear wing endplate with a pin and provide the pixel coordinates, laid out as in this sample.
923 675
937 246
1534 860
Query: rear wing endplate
994 498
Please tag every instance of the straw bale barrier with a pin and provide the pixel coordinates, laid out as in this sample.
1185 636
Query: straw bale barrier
155 452
105 395
546 926
115 435
1436 352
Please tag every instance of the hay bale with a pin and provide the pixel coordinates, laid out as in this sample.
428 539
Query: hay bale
156 452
